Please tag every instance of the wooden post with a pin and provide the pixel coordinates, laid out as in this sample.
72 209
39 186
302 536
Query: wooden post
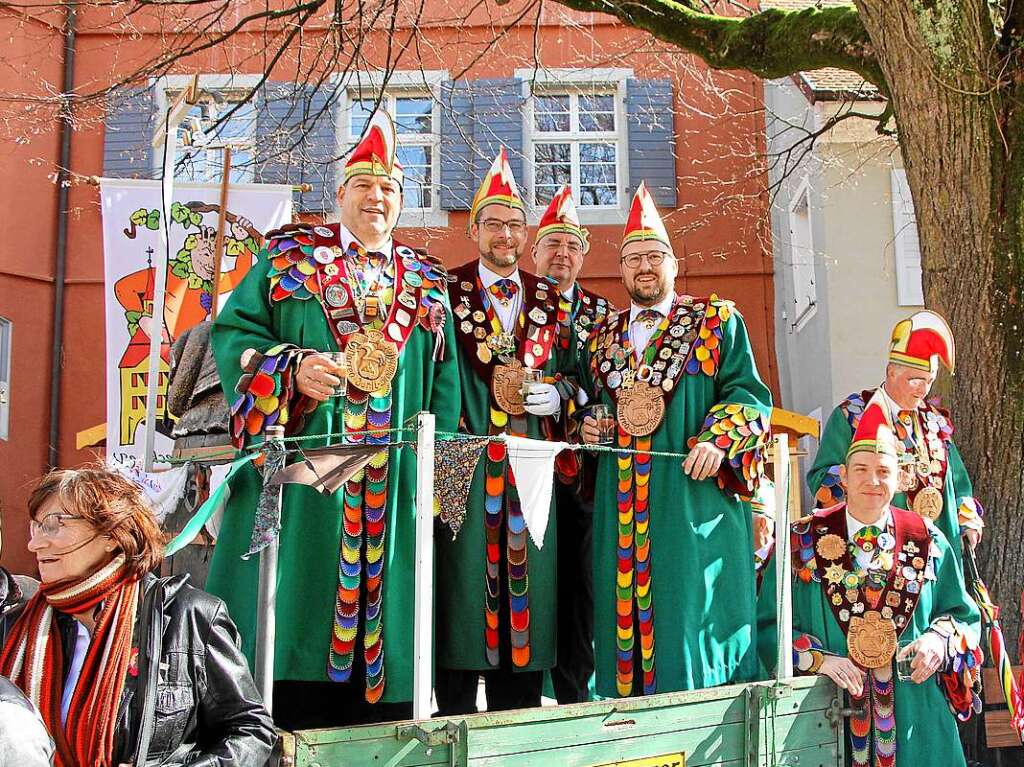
423 594
218 244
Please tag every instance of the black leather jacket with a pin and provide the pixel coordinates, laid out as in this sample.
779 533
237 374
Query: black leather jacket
15 591
193 693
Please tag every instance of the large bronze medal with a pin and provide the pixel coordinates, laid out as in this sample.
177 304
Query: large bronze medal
928 503
507 386
641 408
871 640
372 361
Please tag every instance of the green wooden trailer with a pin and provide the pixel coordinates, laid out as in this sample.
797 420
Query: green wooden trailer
796 723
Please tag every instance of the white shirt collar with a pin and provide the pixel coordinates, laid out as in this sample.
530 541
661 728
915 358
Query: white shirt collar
663 307
854 525
347 238
570 294
488 278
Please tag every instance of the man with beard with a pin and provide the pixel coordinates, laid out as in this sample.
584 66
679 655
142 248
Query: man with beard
503 625
344 646
933 480
558 251
674 586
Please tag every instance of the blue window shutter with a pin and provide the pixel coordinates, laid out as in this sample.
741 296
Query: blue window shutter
128 129
478 117
652 156
295 141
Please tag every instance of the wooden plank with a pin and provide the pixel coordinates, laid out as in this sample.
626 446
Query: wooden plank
999 733
993 690
707 724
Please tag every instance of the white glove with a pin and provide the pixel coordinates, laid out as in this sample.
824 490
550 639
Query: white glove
543 399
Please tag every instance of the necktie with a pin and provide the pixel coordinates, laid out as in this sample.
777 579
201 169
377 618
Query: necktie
649 318
504 290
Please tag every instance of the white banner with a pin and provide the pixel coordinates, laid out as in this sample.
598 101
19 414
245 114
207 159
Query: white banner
132 249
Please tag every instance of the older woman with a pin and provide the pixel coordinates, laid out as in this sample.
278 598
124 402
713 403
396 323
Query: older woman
123 666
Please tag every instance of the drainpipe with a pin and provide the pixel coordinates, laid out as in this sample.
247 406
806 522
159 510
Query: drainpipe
63 178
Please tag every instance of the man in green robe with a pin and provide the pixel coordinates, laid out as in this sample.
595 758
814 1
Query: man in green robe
344 640
559 251
674 584
933 479
880 607
495 594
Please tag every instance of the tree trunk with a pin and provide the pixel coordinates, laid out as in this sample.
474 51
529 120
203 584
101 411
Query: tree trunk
960 132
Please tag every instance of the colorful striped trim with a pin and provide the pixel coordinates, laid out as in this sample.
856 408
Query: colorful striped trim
644 234
579 231
911 362
509 201
634 596
371 168
743 432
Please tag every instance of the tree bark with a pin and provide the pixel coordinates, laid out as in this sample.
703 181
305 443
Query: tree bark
956 98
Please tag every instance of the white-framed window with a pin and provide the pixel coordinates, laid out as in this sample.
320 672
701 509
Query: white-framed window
6 328
575 132
801 254
201 140
576 138
418 127
909 289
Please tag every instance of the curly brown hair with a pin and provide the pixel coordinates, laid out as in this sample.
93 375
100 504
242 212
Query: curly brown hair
113 504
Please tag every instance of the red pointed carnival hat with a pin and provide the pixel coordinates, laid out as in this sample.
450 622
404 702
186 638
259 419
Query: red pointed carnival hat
498 188
561 217
921 341
875 433
644 222
374 155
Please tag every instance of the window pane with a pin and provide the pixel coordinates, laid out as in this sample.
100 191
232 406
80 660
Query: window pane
597 153
598 195
551 113
552 153
416 162
597 174
241 124
414 115
544 193
360 115
597 113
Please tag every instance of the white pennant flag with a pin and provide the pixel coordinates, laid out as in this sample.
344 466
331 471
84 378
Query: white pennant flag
533 465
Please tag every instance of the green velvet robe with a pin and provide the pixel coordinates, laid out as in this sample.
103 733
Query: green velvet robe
702 573
311 523
461 562
958 502
926 730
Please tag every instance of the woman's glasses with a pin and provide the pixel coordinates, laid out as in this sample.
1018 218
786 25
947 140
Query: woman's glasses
50 525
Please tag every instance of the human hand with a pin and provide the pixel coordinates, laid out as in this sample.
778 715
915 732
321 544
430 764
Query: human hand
588 430
542 400
762 532
703 461
929 652
972 536
845 673
315 379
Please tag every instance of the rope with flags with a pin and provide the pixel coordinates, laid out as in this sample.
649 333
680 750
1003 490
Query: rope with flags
996 646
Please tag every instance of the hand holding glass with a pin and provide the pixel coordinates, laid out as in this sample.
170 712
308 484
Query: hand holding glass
605 424
339 368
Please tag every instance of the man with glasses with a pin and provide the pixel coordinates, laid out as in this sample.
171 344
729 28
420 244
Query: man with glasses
338 330
558 252
501 625
674 586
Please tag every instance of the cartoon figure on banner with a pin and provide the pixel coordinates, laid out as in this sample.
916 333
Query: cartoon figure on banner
189 295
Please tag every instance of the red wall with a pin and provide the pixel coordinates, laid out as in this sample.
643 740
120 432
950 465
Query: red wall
719 227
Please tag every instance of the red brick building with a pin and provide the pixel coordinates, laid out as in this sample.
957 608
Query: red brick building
574 97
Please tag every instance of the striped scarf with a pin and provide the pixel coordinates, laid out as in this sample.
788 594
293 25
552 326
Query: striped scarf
33 659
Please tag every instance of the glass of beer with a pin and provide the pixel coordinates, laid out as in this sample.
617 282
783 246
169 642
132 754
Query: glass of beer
903 668
605 424
531 377
339 368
